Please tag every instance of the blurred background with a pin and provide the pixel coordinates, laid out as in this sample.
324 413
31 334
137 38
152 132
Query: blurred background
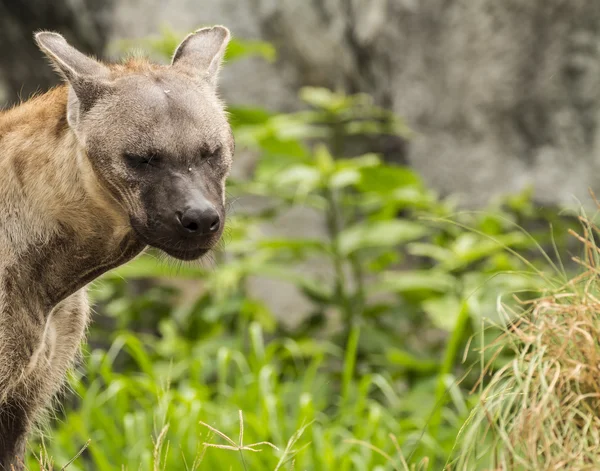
402 166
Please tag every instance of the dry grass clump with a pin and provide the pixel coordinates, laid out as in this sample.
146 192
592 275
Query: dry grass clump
542 410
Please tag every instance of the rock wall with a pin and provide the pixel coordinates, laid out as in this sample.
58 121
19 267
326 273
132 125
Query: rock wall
501 94
23 69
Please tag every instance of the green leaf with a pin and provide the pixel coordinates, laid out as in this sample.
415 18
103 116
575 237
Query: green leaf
324 160
433 251
378 127
258 311
279 153
316 292
343 178
239 48
410 362
443 311
323 98
418 280
386 179
374 234
300 178
245 115
301 246
470 247
297 126
362 161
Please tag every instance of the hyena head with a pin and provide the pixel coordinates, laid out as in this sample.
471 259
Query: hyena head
157 137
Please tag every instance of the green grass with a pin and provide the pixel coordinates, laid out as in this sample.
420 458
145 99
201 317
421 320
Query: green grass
164 413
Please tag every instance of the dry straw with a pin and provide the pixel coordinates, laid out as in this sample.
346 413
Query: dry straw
542 410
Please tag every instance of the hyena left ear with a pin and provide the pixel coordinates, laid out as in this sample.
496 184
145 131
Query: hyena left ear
202 52
87 77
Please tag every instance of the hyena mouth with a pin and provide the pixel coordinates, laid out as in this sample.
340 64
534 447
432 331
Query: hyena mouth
185 255
176 250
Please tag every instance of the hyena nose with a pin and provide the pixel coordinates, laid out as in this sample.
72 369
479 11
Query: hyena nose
200 221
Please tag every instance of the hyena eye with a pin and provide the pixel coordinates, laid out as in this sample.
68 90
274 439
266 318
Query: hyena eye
211 154
138 160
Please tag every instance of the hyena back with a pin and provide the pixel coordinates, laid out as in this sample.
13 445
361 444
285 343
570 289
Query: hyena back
121 157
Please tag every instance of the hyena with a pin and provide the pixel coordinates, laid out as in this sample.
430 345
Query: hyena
120 157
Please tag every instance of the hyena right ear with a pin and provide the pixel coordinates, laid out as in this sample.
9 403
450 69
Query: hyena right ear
202 52
88 78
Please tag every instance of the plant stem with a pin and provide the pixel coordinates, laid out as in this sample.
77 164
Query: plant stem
334 228
456 338
350 363
359 279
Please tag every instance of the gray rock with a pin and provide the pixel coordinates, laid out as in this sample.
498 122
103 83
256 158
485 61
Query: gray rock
501 95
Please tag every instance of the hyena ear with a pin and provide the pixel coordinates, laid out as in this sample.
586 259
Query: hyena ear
87 77
202 52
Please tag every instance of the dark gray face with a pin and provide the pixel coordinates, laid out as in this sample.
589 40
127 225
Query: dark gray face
164 152
157 137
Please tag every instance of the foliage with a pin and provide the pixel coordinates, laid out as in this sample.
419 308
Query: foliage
542 410
369 378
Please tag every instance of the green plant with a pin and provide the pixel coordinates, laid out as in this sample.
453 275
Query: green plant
370 378
283 387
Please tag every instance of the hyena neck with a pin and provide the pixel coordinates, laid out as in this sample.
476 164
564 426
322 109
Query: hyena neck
59 228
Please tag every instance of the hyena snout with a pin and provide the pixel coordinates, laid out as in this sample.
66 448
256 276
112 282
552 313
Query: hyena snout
186 229
198 220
